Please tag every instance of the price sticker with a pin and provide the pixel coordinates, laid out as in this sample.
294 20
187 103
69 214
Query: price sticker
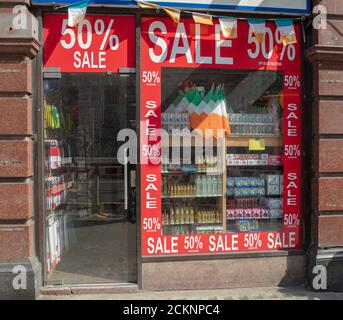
257 145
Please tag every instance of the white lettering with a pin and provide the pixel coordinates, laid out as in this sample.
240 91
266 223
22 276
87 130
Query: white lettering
159 42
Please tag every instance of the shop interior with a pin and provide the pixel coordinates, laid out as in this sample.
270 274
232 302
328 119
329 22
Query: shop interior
90 194
245 192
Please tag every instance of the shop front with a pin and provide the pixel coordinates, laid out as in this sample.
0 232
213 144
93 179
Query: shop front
171 150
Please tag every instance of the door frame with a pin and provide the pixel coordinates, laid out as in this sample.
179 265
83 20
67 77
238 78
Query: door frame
38 125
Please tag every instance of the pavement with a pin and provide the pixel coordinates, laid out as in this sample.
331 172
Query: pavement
263 293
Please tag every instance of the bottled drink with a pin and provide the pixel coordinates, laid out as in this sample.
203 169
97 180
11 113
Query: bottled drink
198 185
177 216
182 215
209 185
191 218
186 218
172 216
205 186
219 186
214 186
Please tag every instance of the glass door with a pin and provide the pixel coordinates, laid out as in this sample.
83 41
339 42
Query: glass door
90 202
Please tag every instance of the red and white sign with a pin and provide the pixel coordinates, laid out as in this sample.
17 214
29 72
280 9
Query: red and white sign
165 44
99 43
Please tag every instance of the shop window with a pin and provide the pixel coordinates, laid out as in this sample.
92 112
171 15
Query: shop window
243 191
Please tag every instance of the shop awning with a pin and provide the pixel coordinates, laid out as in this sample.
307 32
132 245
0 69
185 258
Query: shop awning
267 6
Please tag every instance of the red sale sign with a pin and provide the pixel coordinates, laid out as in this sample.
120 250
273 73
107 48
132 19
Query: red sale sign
99 43
164 45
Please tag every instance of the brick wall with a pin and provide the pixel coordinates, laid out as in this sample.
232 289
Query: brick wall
326 56
17 49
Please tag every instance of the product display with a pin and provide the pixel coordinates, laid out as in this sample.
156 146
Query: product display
176 123
187 219
254 124
261 148
253 160
189 215
199 190
56 188
194 110
245 187
251 213
247 225
274 184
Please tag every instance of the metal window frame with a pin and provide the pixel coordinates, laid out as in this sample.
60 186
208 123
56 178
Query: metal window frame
39 189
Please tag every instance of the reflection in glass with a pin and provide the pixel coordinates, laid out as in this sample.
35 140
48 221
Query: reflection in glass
90 236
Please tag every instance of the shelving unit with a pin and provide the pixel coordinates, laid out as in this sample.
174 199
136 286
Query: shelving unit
243 141
220 200
209 207
232 141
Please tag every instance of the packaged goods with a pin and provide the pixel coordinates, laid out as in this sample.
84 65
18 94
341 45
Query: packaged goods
276 213
273 190
272 203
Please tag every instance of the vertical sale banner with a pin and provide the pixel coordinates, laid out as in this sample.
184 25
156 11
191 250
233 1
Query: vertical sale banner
165 44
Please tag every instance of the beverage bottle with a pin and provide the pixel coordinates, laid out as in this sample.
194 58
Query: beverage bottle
191 213
167 218
198 185
204 188
215 186
186 218
182 215
209 185
177 216
219 185
172 216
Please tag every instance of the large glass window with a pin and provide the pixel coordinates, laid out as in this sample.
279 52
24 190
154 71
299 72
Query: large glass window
89 208
244 194
238 188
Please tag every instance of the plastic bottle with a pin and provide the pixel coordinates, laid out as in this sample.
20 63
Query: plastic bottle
204 188
214 186
219 186
186 217
182 215
198 185
191 218
172 216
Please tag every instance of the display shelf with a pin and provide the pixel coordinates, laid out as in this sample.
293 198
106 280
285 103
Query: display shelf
231 141
209 224
195 172
191 196
176 140
243 141
219 199
259 196
252 123
254 166
253 218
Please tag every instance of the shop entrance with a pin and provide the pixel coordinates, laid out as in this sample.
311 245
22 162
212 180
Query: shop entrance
89 190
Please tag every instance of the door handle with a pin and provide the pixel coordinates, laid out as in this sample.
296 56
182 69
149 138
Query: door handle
125 180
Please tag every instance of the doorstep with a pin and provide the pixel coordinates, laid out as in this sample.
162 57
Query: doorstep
90 289
255 293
